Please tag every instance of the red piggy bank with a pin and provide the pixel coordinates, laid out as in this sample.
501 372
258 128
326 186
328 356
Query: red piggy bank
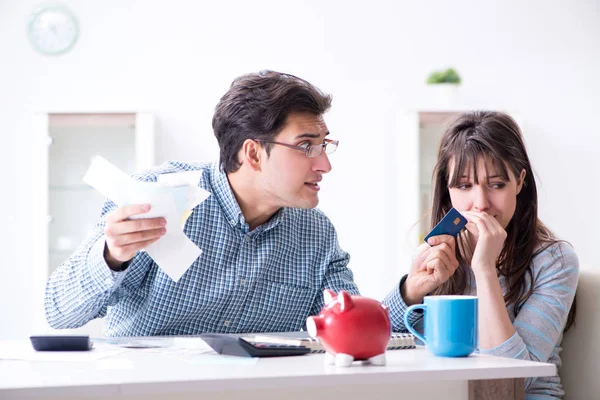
351 328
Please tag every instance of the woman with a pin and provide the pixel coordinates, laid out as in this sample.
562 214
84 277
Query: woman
525 278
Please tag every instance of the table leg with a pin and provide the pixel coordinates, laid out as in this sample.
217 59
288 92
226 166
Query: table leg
492 389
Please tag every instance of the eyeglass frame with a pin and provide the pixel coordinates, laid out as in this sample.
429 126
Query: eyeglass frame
307 149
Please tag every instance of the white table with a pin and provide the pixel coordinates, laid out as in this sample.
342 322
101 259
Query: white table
139 374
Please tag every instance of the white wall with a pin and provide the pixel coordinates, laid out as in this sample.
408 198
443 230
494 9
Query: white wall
177 58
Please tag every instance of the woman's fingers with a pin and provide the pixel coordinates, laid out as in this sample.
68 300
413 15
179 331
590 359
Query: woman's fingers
472 228
486 225
440 251
439 270
444 249
490 239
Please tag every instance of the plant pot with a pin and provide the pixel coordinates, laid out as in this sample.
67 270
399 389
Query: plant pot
444 94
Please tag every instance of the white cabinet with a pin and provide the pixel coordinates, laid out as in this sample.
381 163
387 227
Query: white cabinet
65 207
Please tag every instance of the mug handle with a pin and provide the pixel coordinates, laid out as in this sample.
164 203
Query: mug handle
407 325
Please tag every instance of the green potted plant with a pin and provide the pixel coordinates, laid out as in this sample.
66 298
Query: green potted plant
448 76
445 85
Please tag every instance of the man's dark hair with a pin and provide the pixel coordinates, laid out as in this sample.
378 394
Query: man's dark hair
256 106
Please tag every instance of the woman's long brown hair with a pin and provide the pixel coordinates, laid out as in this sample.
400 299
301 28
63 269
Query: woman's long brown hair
497 138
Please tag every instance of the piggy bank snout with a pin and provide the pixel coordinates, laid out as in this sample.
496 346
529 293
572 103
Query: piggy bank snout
314 325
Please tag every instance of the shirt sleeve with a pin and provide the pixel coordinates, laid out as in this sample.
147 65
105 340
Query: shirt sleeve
337 277
540 322
397 307
82 287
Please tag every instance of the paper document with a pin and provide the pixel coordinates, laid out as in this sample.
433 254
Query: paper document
172 197
190 349
180 179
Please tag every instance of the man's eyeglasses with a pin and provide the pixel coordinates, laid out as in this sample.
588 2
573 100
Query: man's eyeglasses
311 151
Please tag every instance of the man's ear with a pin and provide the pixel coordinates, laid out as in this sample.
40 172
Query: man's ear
251 154
521 181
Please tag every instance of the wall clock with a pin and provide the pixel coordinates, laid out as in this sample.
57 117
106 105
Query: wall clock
53 30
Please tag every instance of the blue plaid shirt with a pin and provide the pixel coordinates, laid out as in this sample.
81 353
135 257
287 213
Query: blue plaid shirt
266 280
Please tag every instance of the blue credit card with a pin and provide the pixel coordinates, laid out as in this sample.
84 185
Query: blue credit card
451 224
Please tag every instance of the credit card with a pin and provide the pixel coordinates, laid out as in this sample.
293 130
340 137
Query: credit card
451 224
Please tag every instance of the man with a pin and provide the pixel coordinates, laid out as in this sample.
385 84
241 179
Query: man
267 253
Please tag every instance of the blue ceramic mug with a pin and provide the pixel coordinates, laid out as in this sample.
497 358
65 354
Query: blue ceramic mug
450 324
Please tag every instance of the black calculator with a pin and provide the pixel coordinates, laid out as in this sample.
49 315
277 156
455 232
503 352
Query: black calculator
236 346
61 342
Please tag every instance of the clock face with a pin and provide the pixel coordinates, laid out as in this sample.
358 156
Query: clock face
53 30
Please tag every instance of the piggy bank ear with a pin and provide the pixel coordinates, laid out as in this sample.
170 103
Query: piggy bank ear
345 301
328 296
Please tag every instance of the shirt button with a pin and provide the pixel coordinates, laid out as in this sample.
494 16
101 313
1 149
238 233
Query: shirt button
226 323
243 282
247 238
108 281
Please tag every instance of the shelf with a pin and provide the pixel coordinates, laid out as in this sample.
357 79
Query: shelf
94 120
56 252
436 117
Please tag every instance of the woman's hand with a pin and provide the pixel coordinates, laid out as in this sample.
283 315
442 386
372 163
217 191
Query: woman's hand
434 264
490 237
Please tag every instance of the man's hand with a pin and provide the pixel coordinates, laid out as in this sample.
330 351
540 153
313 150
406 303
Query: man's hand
434 264
125 237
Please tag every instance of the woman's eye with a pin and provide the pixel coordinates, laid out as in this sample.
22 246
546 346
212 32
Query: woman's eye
463 186
499 185
304 145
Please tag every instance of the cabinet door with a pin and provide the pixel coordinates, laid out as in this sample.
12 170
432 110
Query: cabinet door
431 127
72 207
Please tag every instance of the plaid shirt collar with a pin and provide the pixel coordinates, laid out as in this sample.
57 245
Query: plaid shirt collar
221 189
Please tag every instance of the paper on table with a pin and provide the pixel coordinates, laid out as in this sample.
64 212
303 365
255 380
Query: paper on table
174 252
190 349
217 359
196 351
